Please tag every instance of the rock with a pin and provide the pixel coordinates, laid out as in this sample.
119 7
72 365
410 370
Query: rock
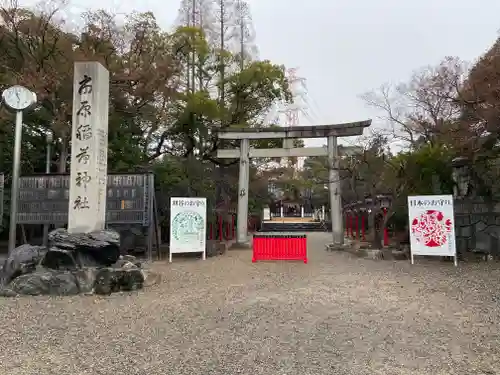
73 264
45 282
124 275
107 281
127 261
132 279
7 292
124 265
59 259
85 279
111 280
129 258
22 260
96 248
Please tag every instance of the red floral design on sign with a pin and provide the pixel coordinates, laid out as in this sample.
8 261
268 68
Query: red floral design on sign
431 228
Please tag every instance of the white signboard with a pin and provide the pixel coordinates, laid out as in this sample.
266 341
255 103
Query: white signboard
432 226
188 226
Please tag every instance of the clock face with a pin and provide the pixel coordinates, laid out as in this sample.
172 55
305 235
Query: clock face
18 97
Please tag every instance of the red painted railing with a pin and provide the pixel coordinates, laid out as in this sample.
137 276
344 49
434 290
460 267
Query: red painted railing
352 228
223 230
279 247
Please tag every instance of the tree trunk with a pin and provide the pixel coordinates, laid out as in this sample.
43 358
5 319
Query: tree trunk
220 171
63 157
376 226
63 160
377 238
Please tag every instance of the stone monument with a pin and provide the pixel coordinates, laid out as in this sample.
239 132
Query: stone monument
89 148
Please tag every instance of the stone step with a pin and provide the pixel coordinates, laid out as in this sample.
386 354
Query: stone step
292 219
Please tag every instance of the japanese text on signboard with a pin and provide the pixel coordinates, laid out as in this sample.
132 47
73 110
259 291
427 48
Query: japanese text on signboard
186 203
428 203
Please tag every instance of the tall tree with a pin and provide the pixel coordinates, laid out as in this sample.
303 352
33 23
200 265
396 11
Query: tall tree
423 109
245 34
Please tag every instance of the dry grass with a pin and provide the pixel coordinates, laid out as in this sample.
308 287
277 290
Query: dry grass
335 315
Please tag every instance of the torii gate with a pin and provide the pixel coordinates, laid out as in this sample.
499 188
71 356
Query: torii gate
331 132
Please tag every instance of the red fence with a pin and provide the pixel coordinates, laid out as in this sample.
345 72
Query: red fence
352 226
225 230
279 247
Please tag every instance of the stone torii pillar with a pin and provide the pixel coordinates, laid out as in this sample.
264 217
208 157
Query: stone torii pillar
245 153
334 190
243 183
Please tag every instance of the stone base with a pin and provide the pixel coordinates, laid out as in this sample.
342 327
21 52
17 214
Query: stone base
363 249
240 246
387 254
374 254
362 245
337 247
215 248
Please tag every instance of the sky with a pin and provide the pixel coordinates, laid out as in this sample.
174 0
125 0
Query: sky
344 48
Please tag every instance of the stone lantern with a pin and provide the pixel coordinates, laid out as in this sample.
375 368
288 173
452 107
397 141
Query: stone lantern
461 177
384 201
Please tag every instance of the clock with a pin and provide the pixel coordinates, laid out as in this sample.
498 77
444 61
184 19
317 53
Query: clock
18 98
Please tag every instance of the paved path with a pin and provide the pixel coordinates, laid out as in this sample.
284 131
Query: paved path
335 315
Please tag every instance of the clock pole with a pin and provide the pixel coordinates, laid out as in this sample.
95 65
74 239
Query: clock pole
16 166
17 98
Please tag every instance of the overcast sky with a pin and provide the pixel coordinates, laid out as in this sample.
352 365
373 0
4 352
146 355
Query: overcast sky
347 47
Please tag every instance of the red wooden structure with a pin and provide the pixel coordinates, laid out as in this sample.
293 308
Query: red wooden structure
279 247
221 230
360 210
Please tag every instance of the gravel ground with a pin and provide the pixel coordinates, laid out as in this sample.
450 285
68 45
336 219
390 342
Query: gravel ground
335 315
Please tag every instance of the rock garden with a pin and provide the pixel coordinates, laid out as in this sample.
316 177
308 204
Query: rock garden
71 264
